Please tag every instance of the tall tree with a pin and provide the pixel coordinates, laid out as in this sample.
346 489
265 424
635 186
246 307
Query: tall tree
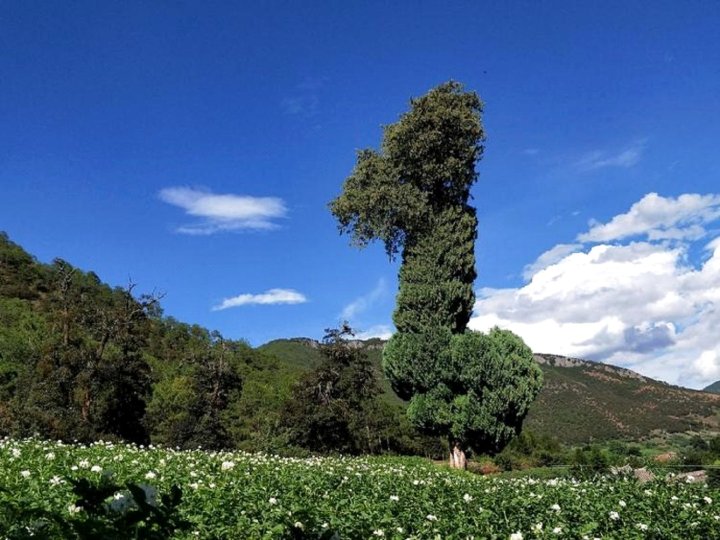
412 194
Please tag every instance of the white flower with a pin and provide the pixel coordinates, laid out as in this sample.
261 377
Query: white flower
555 507
150 475
467 498
84 464
15 452
430 517
378 532
272 500
557 530
50 456
400 530
298 525
74 509
537 527
707 500
516 536
394 498
25 474
614 515
96 468
227 465
642 526
56 481
622 504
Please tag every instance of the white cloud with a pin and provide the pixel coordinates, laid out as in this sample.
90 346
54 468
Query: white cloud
626 158
223 212
382 331
365 302
659 218
270 297
551 256
641 304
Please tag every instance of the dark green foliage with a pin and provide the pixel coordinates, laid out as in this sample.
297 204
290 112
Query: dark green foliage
426 164
198 376
437 274
532 450
87 377
413 196
80 360
330 407
589 461
482 388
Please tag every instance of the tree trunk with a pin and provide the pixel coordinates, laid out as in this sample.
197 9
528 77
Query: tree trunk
457 456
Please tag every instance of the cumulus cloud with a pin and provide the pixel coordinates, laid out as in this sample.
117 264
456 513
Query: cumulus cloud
269 297
548 258
223 212
639 304
364 302
659 218
600 159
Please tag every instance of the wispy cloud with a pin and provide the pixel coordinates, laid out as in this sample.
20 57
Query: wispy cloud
223 212
531 151
269 297
305 100
601 159
364 302
301 105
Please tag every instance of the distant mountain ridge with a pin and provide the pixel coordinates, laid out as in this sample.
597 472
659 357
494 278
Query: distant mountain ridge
581 400
714 388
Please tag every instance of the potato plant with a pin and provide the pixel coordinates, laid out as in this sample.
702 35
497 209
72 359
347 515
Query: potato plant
214 495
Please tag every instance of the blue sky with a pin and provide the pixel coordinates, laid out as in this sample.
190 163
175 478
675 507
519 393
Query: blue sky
194 147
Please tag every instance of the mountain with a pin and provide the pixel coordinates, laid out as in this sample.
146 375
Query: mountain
581 400
714 388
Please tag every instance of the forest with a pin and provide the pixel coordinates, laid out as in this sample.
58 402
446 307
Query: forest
80 360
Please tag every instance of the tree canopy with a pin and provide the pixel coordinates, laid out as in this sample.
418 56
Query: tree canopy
413 195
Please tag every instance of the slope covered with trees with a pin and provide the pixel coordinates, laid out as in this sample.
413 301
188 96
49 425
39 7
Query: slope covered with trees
580 402
80 360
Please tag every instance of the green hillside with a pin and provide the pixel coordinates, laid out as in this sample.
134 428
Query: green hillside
581 401
82 360
301 355
714 388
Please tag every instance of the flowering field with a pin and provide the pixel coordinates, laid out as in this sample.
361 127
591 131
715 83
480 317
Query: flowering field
236 495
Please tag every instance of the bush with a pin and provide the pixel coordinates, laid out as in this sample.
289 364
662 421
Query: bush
588 462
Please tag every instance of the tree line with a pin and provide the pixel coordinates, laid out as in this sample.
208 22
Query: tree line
83 361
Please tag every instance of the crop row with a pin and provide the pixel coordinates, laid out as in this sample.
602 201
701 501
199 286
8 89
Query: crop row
238 495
